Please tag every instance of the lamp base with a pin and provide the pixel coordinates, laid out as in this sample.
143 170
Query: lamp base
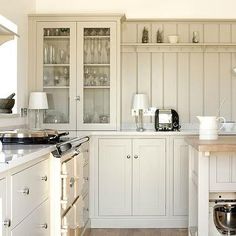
140 129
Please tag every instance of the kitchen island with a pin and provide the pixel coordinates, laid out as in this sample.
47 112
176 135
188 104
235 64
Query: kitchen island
211 169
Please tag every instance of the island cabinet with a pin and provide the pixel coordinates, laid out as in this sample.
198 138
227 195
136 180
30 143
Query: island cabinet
4 221
132 176
75 59
24 199
211 169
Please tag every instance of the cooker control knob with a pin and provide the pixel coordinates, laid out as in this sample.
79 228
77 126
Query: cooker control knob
175 124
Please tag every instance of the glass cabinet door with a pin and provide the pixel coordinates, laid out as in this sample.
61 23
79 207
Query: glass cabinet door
57 77
97 68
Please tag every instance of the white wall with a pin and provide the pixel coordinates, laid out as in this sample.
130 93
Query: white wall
17 11
145 8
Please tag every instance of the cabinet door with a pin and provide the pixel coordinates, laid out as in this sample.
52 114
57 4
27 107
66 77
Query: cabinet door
223 172
96 75
149 177
56 72
115 164
3 203
180 177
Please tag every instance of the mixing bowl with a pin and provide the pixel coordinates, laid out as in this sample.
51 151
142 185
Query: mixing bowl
225 218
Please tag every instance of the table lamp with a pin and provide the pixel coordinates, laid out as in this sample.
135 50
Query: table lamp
38 101
140 103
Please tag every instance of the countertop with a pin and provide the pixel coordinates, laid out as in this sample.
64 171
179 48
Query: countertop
222 144
185 132
14 155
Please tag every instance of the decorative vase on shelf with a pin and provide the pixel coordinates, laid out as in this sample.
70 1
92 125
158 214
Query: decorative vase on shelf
145 37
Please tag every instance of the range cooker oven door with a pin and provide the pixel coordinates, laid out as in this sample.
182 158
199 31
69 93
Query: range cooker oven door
68 181
73 220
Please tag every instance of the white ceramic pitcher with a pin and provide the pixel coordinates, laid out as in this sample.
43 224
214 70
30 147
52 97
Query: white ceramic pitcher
209 127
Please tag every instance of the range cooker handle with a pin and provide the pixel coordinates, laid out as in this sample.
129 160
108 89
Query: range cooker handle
86 140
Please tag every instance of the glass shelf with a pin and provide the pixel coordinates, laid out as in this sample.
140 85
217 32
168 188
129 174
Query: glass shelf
56 37
96 37
56 87
96 64
97 87
56 65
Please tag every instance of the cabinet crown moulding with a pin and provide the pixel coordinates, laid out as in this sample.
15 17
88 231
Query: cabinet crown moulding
81 15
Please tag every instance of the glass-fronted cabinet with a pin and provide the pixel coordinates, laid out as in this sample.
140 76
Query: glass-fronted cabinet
96 87
56 73
76 61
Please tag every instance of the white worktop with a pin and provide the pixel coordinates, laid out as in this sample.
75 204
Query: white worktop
21 154
151 133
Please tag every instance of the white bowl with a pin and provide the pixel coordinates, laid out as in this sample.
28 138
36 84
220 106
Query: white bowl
229 126
173 38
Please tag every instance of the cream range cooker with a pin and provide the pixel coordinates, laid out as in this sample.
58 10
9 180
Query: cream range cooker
70 198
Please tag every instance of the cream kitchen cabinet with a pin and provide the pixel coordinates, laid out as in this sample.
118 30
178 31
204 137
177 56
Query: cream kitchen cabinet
24 199
222 171
180 177
37 223
4 221
76 60
132 177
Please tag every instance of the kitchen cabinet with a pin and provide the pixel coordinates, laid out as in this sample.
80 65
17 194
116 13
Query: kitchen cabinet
24 199
3 210
37 223
30 187
222 171
115 166
76 61
132 177
180 177
56 72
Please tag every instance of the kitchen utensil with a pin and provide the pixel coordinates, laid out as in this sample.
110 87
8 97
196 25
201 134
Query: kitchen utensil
11 96
7 103
229 126
27 136
209 127
225 218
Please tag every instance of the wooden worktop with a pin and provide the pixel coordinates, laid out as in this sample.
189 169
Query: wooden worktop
222 144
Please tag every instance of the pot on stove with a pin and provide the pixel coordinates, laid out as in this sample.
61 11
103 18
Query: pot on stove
26 136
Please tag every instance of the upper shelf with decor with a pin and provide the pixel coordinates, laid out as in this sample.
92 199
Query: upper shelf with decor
184 35
8 30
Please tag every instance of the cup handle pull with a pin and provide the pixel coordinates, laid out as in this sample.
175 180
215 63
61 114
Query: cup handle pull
223 119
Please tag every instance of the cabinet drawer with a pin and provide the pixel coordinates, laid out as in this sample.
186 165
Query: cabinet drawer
29 188
37 223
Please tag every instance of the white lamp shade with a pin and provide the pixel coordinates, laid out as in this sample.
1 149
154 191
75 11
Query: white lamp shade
140 101
38 100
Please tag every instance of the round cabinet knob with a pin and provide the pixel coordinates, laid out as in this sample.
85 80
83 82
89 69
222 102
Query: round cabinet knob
136 156
44 178
44 226
25 191
7 223
128 156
